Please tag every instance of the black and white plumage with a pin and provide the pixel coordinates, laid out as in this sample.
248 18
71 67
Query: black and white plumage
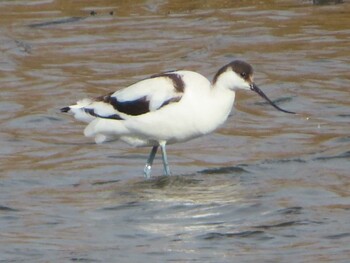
166 108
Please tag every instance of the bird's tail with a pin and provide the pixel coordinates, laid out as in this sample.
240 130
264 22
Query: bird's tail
65 109
78 110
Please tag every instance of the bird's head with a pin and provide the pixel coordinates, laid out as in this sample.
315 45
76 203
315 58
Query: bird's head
239 75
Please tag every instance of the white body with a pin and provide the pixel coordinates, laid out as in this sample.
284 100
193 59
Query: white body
200 111
200 108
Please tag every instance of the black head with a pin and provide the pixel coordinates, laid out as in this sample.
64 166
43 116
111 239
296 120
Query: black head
241 68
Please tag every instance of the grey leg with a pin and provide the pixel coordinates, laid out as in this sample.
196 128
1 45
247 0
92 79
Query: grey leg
165 159
148 166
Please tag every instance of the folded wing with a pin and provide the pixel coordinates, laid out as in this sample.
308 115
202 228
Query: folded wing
140 98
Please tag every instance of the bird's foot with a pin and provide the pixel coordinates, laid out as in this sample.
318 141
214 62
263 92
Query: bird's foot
147 171
167 171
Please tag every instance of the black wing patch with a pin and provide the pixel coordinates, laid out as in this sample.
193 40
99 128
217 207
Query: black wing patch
177 80
169 101
140 106
134 107
93 113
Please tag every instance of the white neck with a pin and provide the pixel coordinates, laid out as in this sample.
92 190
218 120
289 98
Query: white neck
222 99
217 108
231 81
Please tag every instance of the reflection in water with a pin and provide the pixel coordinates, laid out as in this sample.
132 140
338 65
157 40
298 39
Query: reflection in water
266 187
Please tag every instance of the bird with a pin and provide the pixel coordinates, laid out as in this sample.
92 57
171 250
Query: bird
166 108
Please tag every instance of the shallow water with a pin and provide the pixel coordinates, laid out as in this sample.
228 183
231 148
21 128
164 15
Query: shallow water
266 187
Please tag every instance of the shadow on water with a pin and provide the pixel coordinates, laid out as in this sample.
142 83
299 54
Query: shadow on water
67 20
327 2
259 235
225 170
56 22
7 209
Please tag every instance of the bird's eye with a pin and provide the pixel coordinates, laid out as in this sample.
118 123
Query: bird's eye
243 75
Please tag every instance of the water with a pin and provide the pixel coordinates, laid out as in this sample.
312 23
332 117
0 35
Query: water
266 187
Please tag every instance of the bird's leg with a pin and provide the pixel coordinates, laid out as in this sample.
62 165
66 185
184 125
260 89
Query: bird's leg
148 166
165 159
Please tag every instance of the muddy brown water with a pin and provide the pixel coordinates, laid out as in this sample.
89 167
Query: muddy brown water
266 187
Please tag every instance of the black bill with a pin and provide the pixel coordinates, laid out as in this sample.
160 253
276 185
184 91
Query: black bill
255 88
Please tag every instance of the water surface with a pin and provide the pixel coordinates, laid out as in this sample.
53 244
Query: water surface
266 187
